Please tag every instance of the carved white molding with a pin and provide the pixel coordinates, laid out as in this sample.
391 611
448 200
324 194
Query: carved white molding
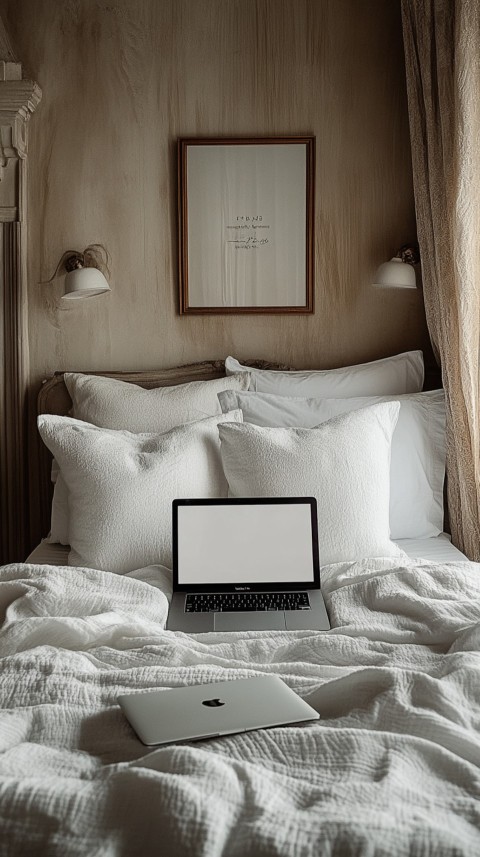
18 100
10 70
7 52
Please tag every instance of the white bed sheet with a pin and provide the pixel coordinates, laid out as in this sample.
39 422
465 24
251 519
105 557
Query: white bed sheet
438 549
47 553
390 768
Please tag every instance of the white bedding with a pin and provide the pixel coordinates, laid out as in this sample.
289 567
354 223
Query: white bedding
47 553
391 768
438 549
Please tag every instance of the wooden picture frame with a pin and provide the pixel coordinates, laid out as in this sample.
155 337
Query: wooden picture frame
246 224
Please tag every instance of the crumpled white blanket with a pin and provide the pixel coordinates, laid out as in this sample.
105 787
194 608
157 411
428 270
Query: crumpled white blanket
391 768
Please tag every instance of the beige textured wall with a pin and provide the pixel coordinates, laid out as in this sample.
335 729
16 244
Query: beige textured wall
122 79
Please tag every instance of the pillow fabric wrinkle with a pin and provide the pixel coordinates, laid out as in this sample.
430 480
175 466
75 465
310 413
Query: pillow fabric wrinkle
111 403
402 373
344 464
121 486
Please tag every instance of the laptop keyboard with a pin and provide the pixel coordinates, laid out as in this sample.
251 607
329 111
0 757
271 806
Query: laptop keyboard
234 602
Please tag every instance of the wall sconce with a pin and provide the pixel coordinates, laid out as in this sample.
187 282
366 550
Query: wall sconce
399 272
84 276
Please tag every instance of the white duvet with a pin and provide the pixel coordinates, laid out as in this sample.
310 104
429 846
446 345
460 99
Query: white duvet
391 768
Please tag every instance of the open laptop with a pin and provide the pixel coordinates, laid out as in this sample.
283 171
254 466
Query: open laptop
246 564
211 710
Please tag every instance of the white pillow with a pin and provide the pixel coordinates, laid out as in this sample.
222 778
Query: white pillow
121 486
417 468
115 404
59 516
344 463
403 373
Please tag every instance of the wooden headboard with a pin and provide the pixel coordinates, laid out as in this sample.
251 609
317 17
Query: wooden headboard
54 398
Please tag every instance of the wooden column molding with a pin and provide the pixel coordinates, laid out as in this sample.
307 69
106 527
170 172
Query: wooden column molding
18 100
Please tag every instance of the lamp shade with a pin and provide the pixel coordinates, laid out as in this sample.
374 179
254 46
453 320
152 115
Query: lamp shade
396 274
84 282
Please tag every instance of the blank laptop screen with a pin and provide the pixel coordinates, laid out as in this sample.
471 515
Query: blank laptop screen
235 544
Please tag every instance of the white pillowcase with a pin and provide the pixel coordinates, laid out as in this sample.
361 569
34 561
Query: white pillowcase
114 404
417 469
121 486
403 373
344 463
59 515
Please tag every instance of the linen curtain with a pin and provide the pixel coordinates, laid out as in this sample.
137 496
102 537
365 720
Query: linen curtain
442 56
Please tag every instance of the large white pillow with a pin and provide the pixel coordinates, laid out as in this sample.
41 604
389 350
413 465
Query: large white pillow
417 469
121 486
114 404
344 463
403 373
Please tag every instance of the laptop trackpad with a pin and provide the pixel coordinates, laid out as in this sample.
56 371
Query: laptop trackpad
261 621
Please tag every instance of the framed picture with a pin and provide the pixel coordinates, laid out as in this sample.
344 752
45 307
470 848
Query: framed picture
246 209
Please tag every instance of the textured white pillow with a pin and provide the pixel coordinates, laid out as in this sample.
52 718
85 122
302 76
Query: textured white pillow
59 515
417 468
121 486
115 404
403 373
344 463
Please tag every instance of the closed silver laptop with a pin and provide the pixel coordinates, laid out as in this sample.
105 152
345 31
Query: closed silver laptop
212 710
246 564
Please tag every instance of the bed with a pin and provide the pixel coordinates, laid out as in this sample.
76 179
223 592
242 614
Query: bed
390 768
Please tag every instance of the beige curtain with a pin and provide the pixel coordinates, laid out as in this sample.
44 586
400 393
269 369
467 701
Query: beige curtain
442 53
